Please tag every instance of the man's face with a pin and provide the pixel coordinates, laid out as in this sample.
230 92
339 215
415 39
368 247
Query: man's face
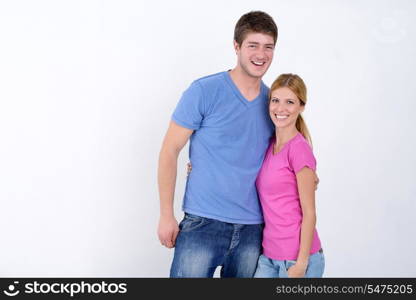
255 53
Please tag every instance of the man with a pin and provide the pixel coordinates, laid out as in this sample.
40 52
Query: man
225 116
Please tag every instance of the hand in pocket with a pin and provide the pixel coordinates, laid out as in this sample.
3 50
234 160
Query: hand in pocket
296 271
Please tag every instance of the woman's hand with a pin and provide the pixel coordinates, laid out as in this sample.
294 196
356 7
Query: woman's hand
296 271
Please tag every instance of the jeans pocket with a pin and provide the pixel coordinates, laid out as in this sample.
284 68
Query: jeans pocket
289 263
191 222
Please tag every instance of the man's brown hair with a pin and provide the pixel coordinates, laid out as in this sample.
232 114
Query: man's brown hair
254 21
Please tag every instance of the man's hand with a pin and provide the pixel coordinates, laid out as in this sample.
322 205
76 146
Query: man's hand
316 181
168 231
188 168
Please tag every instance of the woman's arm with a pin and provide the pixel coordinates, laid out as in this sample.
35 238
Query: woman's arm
306 187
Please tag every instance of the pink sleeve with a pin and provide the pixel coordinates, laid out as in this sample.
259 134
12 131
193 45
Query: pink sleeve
301 155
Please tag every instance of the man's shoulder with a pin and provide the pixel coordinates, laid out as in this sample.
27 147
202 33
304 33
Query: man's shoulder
212 80
265 86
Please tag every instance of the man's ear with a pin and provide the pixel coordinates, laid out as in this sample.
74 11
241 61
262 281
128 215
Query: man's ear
236 46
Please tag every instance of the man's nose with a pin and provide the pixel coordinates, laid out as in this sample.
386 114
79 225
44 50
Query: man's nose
260 53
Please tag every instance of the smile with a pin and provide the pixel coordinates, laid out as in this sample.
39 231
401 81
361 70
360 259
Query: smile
258 63
281 117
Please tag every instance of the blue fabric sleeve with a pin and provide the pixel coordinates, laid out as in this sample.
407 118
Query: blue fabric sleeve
189 112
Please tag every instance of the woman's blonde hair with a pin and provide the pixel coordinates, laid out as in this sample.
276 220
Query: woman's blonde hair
297 86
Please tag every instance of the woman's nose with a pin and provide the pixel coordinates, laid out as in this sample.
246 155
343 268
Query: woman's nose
280 108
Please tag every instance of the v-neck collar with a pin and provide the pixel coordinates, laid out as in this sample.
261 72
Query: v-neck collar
284 146
238 93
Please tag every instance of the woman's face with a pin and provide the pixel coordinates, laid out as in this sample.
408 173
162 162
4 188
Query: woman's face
284 108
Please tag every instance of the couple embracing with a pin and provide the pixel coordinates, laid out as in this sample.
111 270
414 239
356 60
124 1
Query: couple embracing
249 203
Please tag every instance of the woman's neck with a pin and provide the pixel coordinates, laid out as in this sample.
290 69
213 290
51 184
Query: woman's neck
283 135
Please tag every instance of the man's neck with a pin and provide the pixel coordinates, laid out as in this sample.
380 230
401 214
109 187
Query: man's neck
248 86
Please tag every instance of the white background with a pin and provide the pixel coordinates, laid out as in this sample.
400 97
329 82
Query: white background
86 93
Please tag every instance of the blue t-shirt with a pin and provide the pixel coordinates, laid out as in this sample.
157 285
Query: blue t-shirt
227 147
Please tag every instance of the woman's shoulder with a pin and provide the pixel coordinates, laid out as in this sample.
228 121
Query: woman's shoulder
300 145
301 154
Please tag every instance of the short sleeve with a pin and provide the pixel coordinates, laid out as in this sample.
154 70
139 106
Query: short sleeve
189 112
300 156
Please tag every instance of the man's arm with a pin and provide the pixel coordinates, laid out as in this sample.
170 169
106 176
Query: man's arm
175 139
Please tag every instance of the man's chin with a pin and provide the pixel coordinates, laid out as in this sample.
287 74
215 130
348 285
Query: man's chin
257 75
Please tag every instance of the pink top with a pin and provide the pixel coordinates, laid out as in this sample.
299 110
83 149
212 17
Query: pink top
279 197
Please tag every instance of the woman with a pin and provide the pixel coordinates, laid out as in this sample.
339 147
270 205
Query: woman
286 187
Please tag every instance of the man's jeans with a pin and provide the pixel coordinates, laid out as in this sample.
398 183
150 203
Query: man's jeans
271 268
203 244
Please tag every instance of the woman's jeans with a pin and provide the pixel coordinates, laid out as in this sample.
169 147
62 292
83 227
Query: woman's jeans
271 268
204 244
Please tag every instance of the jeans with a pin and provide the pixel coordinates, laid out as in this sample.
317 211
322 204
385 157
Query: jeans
204 244
271 268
